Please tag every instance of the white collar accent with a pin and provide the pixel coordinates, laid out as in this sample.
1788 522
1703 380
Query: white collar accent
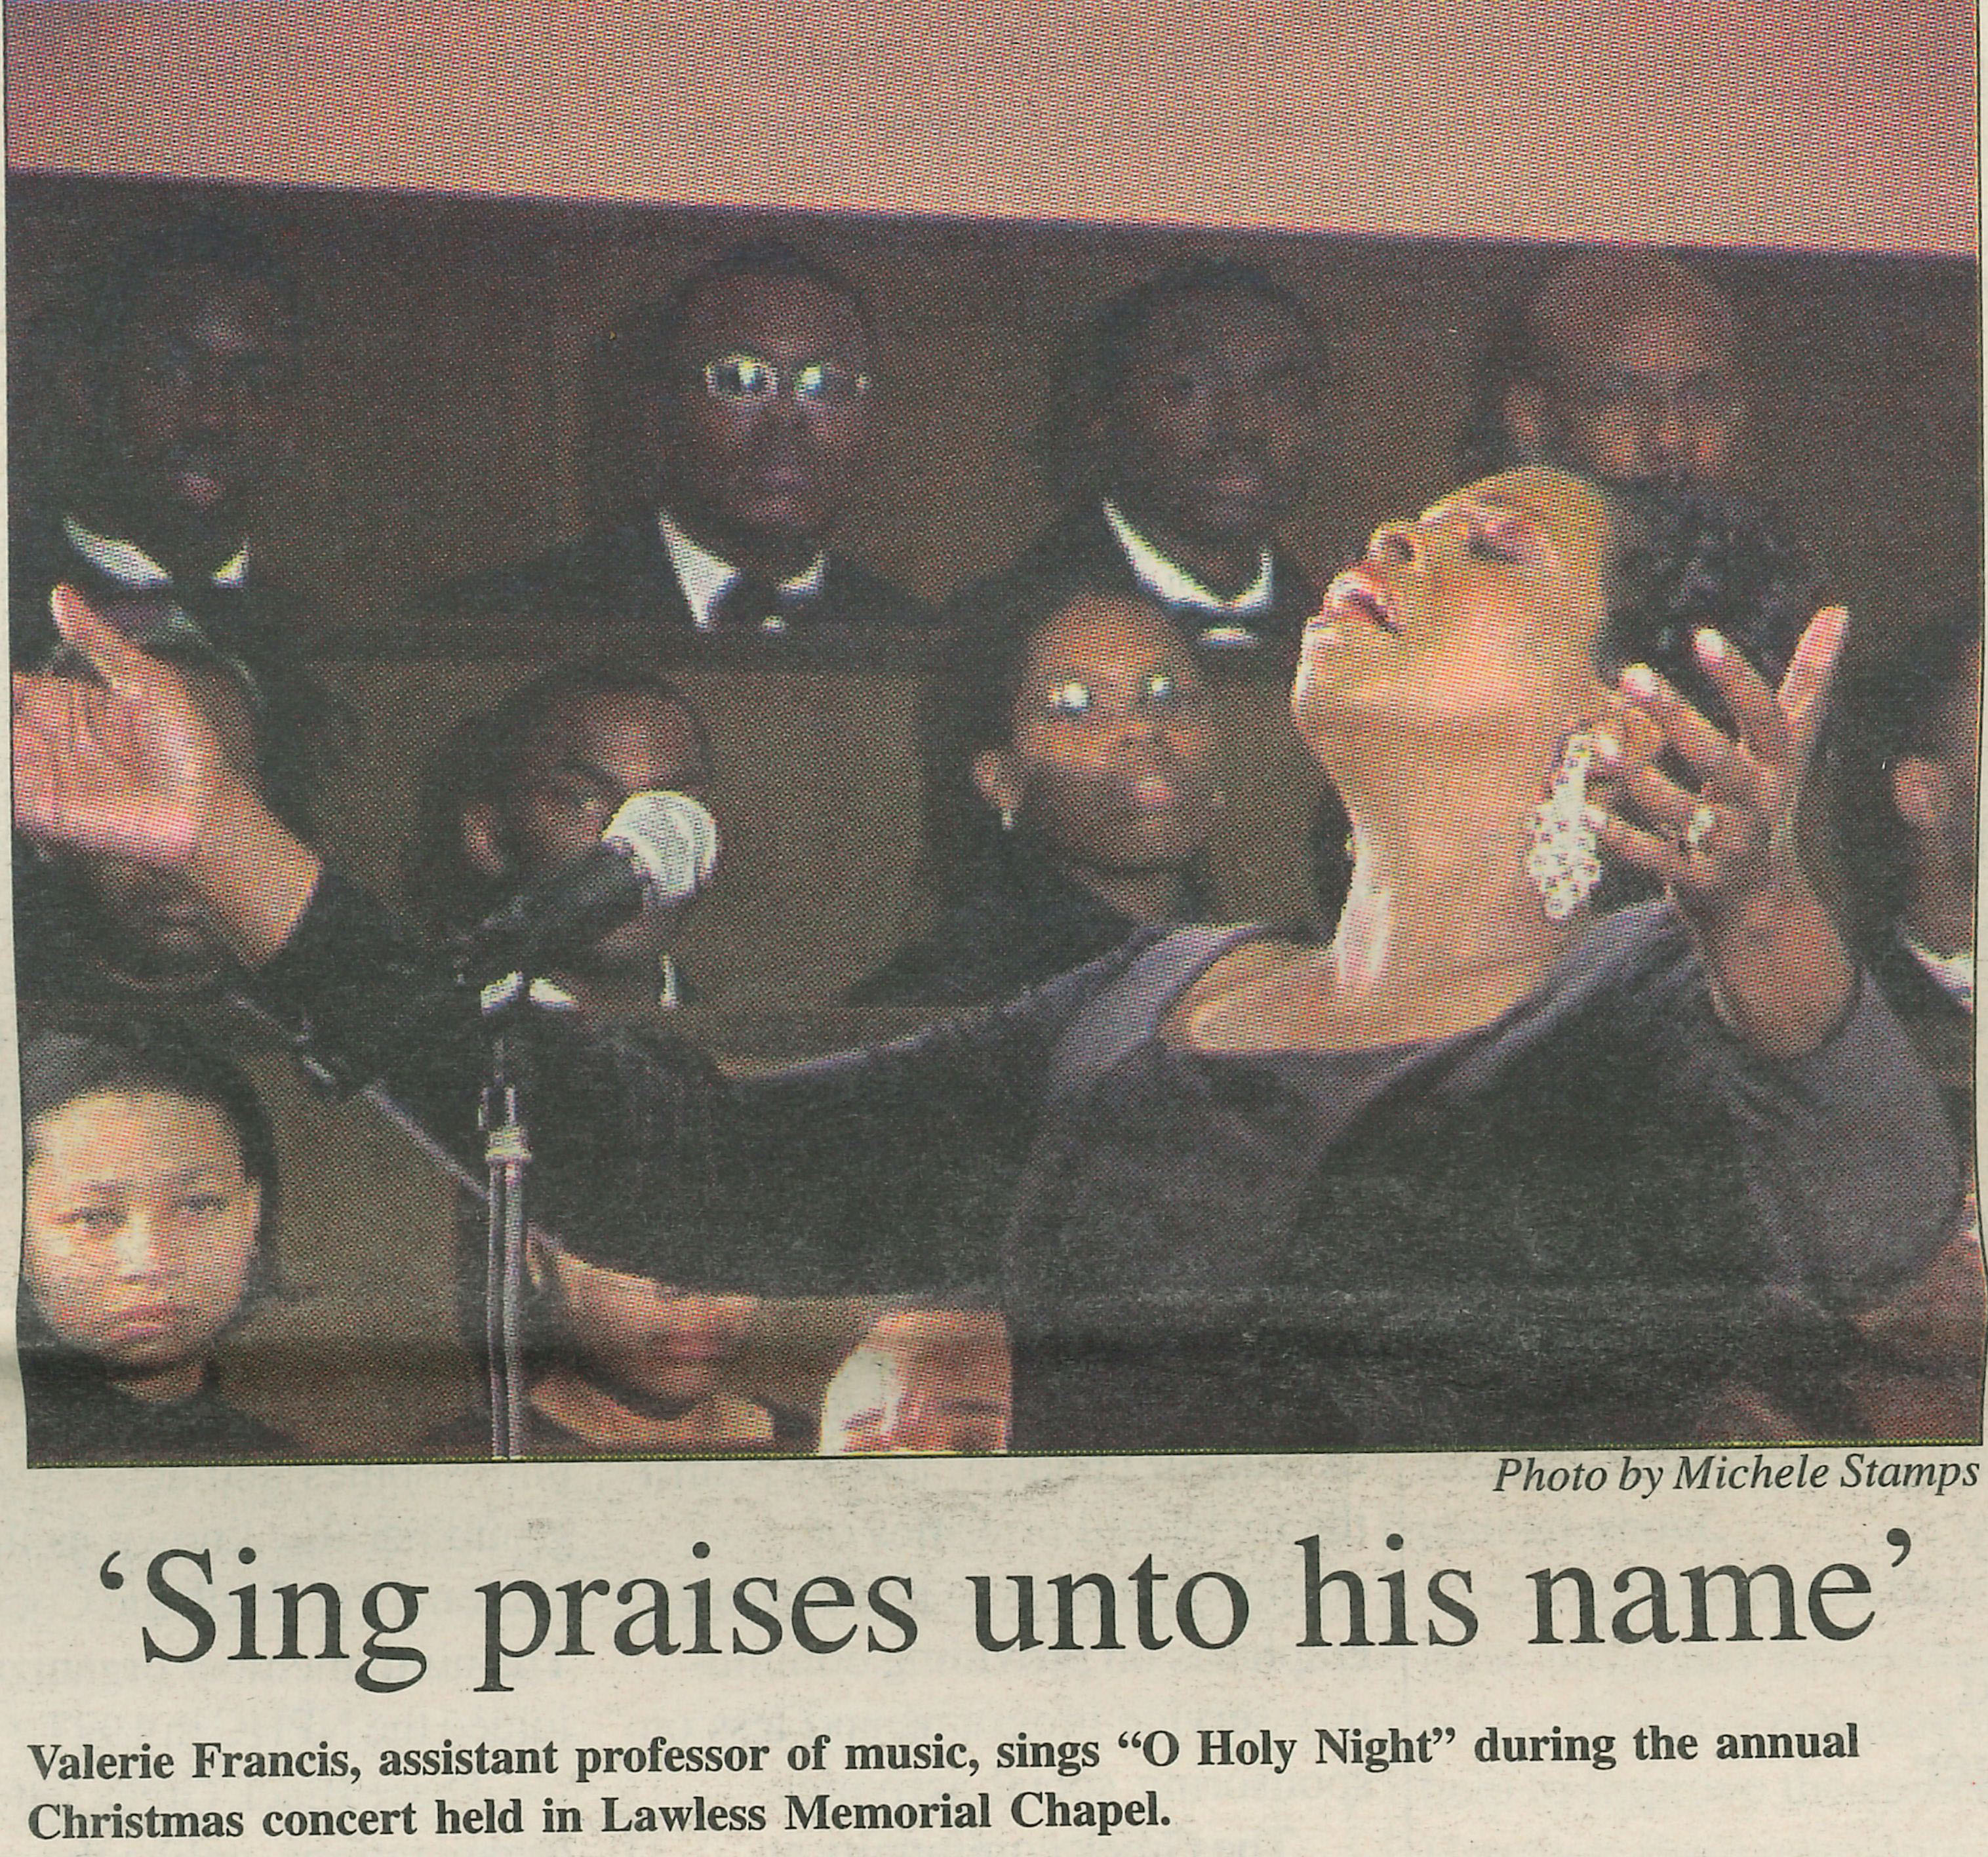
1172 585
704 576
550 996
1953 974
130 565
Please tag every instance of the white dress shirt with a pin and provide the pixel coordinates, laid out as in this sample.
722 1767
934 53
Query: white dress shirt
1173 586
706 577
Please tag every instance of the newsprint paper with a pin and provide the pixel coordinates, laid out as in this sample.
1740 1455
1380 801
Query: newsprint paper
1334 1567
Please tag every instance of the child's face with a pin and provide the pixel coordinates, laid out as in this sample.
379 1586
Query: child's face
662 1345
140 1225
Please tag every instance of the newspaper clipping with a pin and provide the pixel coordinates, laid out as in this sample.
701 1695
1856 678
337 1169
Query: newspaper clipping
872 1029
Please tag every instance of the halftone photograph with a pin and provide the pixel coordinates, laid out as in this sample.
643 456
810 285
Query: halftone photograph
970 920
982 837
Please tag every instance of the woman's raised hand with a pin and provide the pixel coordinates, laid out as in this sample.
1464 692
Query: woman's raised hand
1719 846
129 765
1727 850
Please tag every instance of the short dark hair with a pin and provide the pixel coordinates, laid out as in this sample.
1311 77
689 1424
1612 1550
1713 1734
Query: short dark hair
477 761
639 346
990 654
61 1063
1089 372
1685 556
1517 350
189 238
1886 712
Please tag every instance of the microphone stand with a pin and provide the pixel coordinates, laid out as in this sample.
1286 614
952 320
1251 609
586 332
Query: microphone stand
507 1154
663 846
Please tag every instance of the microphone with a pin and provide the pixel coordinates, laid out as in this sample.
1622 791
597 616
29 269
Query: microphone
658 850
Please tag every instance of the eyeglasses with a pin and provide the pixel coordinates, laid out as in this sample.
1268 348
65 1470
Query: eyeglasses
1157 693
1705 399
744 381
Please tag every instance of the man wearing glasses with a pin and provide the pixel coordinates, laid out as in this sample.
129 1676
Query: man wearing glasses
1624 366
754 379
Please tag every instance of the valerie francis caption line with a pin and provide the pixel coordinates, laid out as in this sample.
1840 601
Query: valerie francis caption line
1258 1752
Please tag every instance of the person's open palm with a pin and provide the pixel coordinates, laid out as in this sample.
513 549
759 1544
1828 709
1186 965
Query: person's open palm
126 765
1732 839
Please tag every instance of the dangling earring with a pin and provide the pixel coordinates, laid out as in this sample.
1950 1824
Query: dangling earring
1007 818
1564 863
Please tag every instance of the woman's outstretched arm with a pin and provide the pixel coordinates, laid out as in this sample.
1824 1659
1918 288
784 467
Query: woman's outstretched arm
1780 973
1848 1152
885 1170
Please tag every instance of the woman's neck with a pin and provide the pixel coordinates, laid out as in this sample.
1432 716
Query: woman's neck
1442 931
181 1381
1433 907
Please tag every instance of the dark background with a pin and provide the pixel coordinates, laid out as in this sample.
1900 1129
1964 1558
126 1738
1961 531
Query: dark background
452 415
450 418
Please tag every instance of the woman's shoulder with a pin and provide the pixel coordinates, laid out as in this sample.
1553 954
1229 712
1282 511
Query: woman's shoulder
1265 957
1242 1000
1644 953
1016 927
1194 975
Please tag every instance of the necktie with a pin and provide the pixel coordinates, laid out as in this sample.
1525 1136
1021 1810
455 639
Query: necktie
753 605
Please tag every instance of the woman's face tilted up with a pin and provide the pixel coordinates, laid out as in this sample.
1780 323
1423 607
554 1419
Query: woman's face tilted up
141 1222
1111 755
1463 639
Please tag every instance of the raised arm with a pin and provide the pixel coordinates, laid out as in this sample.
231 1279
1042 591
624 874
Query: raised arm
1851 1162
886 1170
1780 973
130 766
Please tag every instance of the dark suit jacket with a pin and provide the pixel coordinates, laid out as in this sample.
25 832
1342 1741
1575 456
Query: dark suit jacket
624 572
1941 1028
254 622
1024 922
1080 543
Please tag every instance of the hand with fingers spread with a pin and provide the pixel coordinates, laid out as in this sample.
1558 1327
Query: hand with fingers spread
130 766
127 765
1726 848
